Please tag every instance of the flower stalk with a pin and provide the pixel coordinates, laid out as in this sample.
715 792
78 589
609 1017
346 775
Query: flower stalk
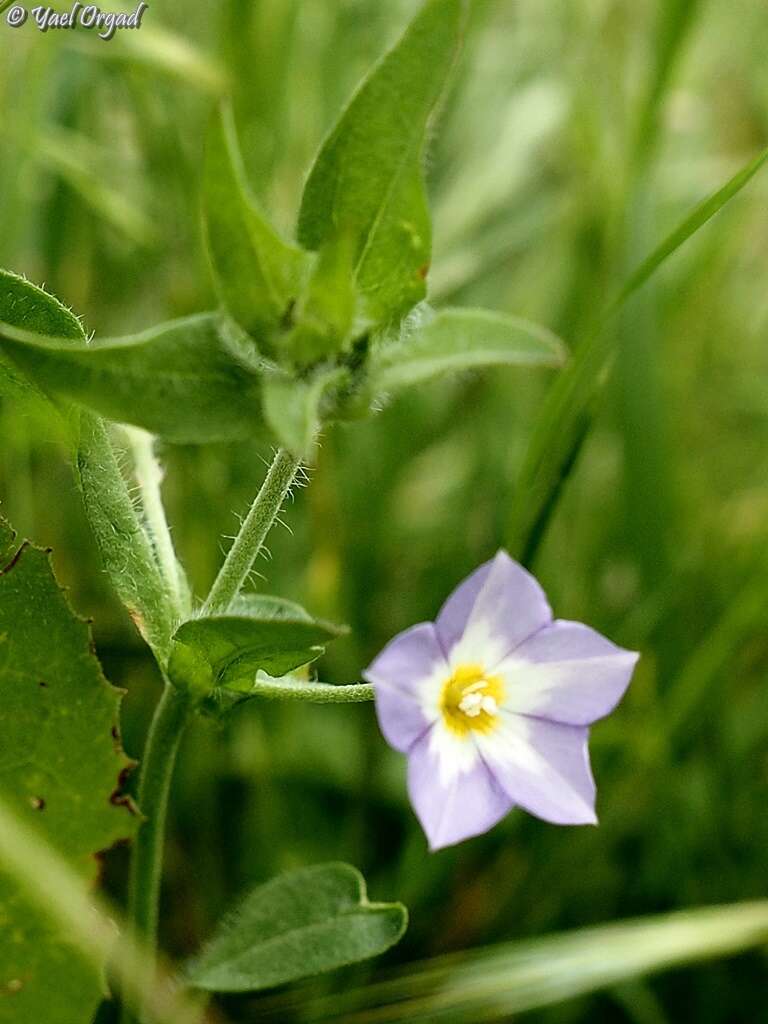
168 724
250 540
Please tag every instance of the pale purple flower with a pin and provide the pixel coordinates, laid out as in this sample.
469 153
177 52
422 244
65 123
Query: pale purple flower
492 704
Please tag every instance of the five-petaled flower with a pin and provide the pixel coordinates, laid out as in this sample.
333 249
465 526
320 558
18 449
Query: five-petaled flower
492 704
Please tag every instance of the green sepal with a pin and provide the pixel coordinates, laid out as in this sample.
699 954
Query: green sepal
258 275
367 182
302 923
181 381
257 634
295 408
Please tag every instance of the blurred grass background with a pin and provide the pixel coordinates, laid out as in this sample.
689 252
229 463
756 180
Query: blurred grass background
576 135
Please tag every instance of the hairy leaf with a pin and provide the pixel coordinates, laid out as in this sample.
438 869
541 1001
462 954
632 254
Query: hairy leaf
257 274
367 181
257 634
60 766
180 381
463 339
29 308
302 923
125 548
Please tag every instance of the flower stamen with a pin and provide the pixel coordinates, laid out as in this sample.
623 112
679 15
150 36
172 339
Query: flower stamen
470 699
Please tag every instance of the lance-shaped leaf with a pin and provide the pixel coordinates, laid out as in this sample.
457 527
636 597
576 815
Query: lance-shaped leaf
29 308
463 339
257 274
302 923
367 181
257 635
60 765
294 407
126 551
180 381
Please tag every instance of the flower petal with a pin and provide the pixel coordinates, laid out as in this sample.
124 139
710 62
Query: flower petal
464 801
509 607
453 616
406 677
566 672
543 767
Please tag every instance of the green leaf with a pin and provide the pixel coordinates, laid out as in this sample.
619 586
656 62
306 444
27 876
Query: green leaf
125 548
294 407
180 381
566 415
325 315
27 307
498 982
256 635
257 274
302 923
367 181
60 766
463 339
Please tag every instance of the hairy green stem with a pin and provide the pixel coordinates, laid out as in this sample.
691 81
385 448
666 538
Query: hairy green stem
315 693
256 525
149 476
162 746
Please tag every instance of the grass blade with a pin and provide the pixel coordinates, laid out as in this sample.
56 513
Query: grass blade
566 415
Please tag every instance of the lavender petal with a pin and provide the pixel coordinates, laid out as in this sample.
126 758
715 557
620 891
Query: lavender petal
453 616
455 806
509 607
543 767
404 677
566 672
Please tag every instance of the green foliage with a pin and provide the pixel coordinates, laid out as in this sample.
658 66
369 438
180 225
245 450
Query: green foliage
24 306
179 380
492 984
258 634
533 181
257 274
295 407
302 923
125 548
367 181
453 340
60 766
324 318
121 537
566 415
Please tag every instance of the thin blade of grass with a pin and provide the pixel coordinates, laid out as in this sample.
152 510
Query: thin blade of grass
492 983
566 415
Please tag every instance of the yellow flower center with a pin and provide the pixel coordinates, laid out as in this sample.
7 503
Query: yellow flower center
470 700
